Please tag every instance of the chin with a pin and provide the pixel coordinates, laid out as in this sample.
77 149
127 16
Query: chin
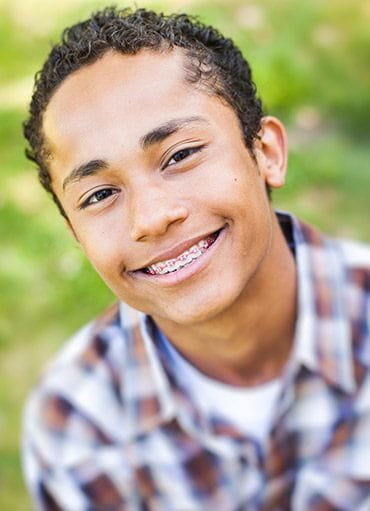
191 314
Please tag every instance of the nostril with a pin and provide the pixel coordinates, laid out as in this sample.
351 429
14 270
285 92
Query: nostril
156 220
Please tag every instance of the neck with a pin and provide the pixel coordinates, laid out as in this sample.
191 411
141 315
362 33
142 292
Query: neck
249 343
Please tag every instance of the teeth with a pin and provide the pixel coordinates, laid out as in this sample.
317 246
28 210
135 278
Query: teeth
171 265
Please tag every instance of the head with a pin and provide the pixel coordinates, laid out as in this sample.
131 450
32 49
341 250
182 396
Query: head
148 133
211 62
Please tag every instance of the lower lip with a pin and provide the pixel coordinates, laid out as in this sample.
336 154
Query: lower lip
182 274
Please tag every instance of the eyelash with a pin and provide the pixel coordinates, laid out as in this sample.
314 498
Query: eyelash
90 199
93 198
189 151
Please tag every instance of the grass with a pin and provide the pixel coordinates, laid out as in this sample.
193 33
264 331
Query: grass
311 67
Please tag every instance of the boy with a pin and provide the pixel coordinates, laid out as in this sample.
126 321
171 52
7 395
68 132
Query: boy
233 374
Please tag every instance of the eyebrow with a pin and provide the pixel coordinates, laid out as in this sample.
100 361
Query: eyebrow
84 170
151 138
167 129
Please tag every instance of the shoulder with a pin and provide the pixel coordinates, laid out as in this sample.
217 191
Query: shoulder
89 346
334 275
356 255
87 350
76 416
80 390
336 258
355 289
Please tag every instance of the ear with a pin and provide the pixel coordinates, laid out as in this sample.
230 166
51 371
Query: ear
271 151
70 228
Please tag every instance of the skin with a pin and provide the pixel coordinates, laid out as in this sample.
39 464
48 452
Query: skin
145 165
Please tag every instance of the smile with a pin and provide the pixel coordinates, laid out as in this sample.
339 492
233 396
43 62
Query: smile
184 259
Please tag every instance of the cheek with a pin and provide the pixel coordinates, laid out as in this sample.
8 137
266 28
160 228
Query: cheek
240 192
101 246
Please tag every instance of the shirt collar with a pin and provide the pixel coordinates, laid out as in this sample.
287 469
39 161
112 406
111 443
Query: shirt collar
145 387
322 339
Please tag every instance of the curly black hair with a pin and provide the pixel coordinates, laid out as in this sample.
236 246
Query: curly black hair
210 59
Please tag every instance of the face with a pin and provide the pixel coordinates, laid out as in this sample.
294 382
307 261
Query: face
158 186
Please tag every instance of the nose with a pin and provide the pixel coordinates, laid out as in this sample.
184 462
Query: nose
153 211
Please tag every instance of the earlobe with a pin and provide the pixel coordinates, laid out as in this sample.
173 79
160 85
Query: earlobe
271 151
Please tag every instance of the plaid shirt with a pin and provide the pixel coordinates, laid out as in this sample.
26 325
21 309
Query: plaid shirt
109 428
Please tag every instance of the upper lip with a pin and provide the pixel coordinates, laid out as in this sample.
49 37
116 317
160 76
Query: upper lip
175 251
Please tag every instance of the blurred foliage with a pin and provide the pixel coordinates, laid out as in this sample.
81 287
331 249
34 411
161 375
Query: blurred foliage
311 65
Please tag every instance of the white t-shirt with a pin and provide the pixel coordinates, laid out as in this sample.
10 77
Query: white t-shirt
250 409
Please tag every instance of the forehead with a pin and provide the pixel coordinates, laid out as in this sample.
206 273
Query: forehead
117 76
143 65
114 88
111 103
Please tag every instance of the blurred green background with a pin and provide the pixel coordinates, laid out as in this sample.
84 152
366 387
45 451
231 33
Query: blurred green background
311 62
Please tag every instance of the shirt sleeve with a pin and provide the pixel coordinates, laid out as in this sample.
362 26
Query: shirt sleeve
71 465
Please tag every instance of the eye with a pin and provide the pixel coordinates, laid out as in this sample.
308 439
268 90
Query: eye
98 196
182 154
